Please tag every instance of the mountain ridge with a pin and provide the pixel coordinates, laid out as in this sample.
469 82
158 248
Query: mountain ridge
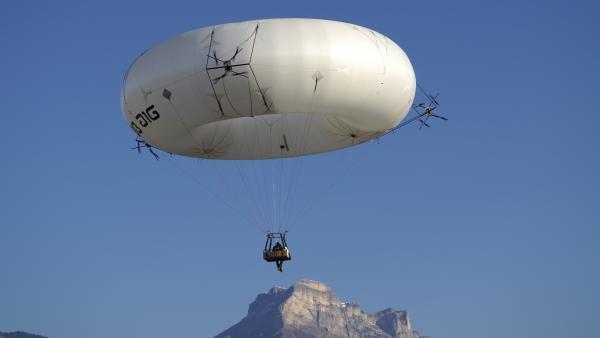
310 309
19 334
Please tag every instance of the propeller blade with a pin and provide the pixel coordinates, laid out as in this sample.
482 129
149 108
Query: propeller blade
432 98
153 153
424 122
237 50
439 117
219 78
242 74
215 57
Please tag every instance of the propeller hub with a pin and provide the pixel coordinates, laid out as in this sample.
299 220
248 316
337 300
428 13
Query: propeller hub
228 66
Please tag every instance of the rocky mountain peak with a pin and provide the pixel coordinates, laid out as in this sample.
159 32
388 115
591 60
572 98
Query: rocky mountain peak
312 285
310 309
396 323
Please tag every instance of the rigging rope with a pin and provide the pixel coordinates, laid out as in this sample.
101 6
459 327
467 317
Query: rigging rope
214 194
323 194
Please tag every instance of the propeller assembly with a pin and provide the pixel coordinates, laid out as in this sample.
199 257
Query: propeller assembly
227 66
143 144
423 111
427 110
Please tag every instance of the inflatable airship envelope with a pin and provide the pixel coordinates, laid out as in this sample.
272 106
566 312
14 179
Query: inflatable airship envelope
268 89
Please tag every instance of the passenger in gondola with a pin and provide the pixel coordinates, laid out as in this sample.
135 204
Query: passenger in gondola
279 263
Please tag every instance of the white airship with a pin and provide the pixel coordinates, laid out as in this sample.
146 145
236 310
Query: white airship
268 89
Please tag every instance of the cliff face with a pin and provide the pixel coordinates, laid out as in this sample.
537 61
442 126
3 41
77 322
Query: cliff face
309 309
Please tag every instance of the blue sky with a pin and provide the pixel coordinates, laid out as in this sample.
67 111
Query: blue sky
486 225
